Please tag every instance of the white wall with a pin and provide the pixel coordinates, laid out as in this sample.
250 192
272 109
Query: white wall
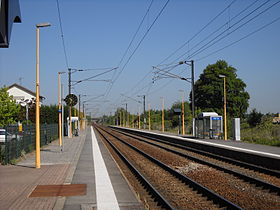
19 94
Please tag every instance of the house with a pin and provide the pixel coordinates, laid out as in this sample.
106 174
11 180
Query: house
21 94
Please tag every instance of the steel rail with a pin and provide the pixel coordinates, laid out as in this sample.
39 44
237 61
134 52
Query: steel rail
218 157
217 199
258 182
147 185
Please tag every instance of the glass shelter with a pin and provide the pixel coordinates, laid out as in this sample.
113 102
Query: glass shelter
209 125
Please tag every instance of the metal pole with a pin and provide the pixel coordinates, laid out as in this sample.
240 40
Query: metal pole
38 161
225 108
59 112
193 105
62 111
144 113
126 123
139 122
124 118
162 115
79 114
121 118
27 107
183 114
84 122
149 107
128 119
70 107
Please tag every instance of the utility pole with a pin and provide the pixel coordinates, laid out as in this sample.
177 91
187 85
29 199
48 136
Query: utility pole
183 113
124 124
79 115
120 117
162 115
144 114
149 107
193 107
126 114
84 122
62 116
70 107
144 110
139 125
59 110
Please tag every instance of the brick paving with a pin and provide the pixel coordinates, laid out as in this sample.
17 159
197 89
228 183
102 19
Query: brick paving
57 167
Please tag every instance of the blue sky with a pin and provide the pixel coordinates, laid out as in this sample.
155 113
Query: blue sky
97 34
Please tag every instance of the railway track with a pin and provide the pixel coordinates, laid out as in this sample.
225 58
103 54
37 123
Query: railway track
251 175
171 189
180 144
237 184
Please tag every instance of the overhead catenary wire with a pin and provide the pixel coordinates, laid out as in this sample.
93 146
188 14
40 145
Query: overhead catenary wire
242 11
97 75
62 35
138 45
212 41
219 28
244 37
136 32
133 38
196 34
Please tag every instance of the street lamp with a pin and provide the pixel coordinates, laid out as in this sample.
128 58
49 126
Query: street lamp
59 109
38 26
225 107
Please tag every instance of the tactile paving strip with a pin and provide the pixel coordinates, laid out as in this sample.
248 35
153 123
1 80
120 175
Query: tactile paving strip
59 190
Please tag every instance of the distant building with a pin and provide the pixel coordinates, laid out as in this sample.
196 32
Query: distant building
21 94
276 119
9 14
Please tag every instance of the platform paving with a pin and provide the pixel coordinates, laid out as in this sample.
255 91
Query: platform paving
57 167
73 165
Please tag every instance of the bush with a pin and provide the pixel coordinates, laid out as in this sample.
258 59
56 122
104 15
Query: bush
264 133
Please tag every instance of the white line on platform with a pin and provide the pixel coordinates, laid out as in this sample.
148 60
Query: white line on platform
105 195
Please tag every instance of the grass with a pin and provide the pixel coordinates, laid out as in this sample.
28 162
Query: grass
267 135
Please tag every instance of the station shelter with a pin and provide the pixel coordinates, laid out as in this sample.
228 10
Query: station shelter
75 126
209 125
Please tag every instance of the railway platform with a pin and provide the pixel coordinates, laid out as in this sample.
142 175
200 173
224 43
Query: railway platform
82 176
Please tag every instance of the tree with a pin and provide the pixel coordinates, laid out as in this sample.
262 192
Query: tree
254 118
209 90
8 108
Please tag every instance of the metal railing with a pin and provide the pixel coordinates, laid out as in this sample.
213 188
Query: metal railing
19 142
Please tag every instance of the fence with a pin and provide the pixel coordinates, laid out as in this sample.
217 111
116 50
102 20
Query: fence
19 142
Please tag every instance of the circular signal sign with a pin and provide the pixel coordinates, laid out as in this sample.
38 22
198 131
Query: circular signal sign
71 100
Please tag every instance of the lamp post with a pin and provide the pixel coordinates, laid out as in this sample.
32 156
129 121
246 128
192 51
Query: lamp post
183 113
38 26
59 110
225 107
